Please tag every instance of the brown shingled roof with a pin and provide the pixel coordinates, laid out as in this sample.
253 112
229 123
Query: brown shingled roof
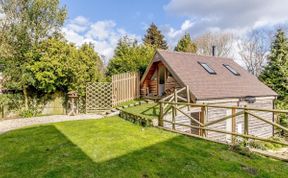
203 85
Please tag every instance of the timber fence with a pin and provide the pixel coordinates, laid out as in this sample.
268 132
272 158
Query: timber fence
174 104
104 95
125 87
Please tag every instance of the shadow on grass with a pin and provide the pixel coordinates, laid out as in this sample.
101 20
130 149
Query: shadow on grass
42 152
45 152
151 111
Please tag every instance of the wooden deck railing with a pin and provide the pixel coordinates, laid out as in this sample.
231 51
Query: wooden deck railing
170 103
175 97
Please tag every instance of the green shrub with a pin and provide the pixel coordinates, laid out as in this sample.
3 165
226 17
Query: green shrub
31 112
282 118
257 145
136 119
241 149
266 145
26 113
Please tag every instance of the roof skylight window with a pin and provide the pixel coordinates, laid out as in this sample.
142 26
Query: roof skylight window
233 71
207 68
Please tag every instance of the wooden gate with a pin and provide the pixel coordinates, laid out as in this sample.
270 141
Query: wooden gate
98 96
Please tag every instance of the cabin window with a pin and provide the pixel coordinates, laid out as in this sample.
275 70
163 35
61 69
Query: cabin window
233 71
207 68
154 76
161 75
169 74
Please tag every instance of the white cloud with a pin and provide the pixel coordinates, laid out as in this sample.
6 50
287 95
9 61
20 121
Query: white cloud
73 36
228 14
101 30
79 24
234 16
2 16
173 35
104 35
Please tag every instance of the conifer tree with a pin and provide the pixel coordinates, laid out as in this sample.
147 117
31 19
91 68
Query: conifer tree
155 38
185 44
275 74
130 56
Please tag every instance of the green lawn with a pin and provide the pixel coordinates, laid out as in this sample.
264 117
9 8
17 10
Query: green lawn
113 147
129 102
147 110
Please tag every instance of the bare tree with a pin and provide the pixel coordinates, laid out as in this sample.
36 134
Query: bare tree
222 40
254 50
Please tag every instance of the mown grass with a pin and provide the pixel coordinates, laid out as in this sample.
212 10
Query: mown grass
113 147
129 102
147 110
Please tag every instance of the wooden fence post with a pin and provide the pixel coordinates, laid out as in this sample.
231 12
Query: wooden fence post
246 124
160 120
2 111
188 97
174 111
173 116
86 93
233 125
202 120
176 100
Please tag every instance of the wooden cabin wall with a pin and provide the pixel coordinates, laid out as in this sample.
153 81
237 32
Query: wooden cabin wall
148 83
153 87
143 88
171 83
152 83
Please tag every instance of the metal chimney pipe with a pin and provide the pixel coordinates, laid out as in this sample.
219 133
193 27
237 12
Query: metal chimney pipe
213 50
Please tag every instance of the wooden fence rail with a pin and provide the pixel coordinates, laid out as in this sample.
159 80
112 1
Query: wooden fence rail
173 105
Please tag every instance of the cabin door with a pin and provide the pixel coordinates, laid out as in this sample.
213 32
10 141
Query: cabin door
161 84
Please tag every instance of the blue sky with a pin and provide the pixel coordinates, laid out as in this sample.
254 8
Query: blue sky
132 15
103 22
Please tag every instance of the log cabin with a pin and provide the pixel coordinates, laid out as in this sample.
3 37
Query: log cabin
211 80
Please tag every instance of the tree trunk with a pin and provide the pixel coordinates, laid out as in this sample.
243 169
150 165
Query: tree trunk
25 97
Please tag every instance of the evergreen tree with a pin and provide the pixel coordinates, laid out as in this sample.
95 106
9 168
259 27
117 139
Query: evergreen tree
155 38
130 57
185 44
275 74
59 66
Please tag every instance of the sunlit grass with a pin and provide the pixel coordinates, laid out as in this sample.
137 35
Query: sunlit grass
109 138
113 147
129 102
147 110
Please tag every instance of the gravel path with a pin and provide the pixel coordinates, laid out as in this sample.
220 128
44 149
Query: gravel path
7 125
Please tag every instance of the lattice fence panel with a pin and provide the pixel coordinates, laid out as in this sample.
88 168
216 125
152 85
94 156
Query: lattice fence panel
81 104
98 96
